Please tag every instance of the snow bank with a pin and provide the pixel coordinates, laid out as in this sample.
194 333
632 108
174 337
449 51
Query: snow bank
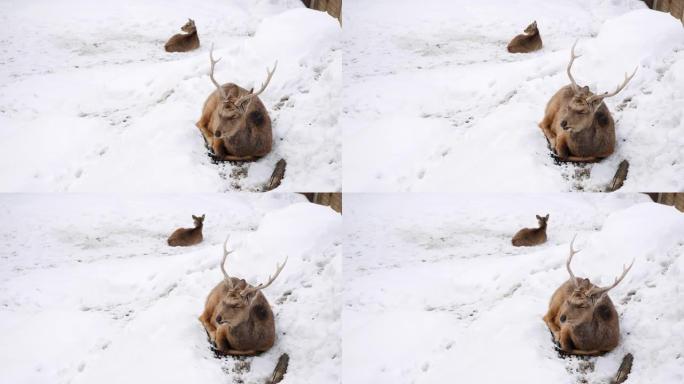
89 100
92 293
439 75
435 291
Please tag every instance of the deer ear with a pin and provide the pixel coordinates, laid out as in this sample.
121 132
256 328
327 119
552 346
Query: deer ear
538 217
203 216
194 217
547 216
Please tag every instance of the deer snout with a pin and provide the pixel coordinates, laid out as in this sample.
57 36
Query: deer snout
564 125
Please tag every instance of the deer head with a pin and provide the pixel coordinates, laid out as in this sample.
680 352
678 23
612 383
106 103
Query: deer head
198 220
532 28
237 316
230 106
581 316
189 27
542 220
579 112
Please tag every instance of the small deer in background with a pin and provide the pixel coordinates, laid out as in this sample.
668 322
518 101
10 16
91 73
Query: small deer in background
183 237
577 123
234 123
526 42
532 236
582 317
237 317
184 42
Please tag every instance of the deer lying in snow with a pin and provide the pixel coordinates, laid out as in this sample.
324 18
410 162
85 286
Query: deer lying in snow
234 123
577 123
237 316
183 237
532 236
582 317
184 42
526 42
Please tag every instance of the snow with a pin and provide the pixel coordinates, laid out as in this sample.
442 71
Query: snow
434 102
434 292
90 101
90 292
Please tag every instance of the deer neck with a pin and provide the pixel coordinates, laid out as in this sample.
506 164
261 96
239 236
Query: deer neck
198 227
542 227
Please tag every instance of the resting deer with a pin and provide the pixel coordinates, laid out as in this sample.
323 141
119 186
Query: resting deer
183 237
184 42
237 316
532 236
234 123
577 123
582 317
526 42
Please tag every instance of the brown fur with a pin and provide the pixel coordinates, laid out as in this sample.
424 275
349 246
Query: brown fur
232 133
184 42
242 138
526 42
581 316
577 124
183 237
237 317
238 326
532 236
589 132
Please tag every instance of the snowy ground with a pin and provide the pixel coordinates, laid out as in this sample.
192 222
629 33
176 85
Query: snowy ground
91 293
90 101
435 293
434 102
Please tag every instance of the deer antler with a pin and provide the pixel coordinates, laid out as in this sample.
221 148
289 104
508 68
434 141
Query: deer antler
251 95
573 84
567 263
604 290
226 278
271 279
617 90
211 74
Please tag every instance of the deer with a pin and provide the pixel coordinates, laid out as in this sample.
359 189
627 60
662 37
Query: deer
184 42
184 237
532 236
527 42
577 123
581 316
234 122
237 317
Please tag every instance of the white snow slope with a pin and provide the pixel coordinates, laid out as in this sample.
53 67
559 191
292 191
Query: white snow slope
91 293
90 101
434 292
434 102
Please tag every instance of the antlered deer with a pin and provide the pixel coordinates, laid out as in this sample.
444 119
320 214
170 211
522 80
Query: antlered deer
183 237
234 123
184 42
577 123
526 42
237 316
582 317
532 236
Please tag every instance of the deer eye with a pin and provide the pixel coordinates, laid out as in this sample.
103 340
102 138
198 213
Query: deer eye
563 318
218 319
